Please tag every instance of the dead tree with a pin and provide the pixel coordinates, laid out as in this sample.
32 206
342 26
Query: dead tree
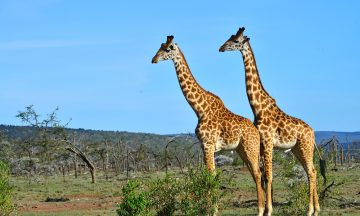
87 161
322 165
117 152
333 146
166 153
72 148
75 161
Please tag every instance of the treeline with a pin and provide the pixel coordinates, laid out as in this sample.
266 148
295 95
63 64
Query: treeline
47 147
20 132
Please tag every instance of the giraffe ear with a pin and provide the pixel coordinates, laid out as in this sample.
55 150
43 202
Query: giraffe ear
240 31
169 39
246 39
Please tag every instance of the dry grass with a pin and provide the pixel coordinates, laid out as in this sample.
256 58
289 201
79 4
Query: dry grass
101 198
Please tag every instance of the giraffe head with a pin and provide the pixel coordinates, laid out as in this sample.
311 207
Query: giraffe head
236 42
167 51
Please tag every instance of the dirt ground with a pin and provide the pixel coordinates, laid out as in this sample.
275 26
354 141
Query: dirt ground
78 202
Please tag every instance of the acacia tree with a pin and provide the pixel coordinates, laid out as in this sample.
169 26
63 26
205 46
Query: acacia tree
49 137
39 145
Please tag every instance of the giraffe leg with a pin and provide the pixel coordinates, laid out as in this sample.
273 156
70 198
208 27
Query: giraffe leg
256 174
262 168
209 150
316 199
209 160
252 162
268 151
304 151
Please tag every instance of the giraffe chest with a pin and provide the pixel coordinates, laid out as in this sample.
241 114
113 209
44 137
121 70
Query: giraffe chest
222 144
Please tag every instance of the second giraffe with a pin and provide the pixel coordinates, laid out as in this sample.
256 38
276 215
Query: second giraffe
277 129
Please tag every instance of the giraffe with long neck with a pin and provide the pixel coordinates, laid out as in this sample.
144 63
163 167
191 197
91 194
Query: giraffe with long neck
276 128
217 128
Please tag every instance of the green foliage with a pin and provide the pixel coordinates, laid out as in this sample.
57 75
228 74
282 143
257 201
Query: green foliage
201 193
237 161
288 163
164 194
135 200
6 191
196 193
299 200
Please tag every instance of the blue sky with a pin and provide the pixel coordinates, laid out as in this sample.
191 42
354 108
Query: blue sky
92 60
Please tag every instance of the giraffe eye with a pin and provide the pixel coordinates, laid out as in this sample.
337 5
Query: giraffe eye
167 50
236 41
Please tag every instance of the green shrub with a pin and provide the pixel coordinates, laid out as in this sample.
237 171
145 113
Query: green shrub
237 161
201 192
195 193
164 195
6 202
299 200
299 189
135 200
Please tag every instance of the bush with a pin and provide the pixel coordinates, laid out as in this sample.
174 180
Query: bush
135 200
165 193
237 161
196 193
201 193
299 200
294 175
6 202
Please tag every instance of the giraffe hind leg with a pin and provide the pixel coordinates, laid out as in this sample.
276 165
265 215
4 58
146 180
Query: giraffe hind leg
252 162
304 153
256 174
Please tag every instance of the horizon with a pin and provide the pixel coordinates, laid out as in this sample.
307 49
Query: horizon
93 61
125 131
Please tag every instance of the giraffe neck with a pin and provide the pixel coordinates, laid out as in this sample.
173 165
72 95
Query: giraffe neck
195 95
258 97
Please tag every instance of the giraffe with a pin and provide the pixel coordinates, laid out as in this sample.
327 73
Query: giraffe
276 128
217 128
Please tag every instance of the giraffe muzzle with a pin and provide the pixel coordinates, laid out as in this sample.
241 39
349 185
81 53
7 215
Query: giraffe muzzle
222 49
154 60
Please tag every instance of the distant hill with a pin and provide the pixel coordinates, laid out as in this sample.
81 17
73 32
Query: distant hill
16 132
99 136
343 137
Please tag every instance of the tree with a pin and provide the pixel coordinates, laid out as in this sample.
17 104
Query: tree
49 137
72 148
40 145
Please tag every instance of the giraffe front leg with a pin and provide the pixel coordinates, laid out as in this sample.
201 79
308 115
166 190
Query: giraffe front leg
209 160
209 150
268 151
